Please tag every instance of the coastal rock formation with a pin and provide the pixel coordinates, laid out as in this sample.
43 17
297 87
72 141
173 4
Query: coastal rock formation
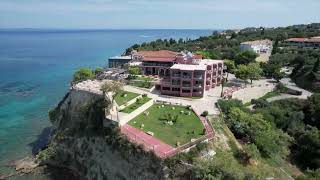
81 143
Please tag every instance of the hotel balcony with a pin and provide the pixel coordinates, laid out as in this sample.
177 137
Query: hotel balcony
147 64
186 86
174 83
164 82
186 77
197 85
198 77
176 75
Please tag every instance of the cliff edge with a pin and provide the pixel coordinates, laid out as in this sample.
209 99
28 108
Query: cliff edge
82 144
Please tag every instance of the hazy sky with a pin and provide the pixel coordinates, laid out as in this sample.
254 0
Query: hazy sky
209 14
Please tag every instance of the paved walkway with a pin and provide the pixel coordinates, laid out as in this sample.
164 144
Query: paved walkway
252 91
288 83
209 130
207 103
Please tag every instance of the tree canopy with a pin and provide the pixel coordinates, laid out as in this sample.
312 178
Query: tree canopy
245 57
82 75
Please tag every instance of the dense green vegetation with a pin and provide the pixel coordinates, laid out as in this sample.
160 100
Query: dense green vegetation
85 73
226 46
286 128
82 75
251 71
134 70
235 162
171 124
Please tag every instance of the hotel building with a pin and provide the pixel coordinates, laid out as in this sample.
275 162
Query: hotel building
181 74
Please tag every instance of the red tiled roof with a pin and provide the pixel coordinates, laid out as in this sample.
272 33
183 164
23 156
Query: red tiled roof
296 39
315 39
161 53
161 56
159 59
197 56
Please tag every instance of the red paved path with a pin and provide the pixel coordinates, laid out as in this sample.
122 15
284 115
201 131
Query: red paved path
161 149
150 143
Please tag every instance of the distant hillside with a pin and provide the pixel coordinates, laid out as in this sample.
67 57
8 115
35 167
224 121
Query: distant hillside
225 45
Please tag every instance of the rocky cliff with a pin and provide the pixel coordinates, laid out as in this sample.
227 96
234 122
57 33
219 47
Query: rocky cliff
80 142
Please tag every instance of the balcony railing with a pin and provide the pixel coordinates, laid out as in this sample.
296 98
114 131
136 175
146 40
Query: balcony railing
198 77
157 64
198 85
186 77
176 75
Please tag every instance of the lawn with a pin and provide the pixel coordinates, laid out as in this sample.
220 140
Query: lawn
266 96
183 130
145 78
124 96
142 84
136 105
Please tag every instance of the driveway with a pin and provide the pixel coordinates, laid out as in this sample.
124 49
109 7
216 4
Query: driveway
207 103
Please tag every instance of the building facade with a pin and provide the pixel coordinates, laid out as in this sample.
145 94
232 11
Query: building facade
119 61
259 46
313 42
181 74
192 80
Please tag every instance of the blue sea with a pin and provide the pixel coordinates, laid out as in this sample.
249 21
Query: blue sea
36 67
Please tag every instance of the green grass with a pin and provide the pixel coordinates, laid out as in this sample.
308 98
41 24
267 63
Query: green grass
186 127
142 84
136 105
145 78
266 96
121 99
270 95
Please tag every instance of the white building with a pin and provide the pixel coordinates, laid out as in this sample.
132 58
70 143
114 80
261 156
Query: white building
259 46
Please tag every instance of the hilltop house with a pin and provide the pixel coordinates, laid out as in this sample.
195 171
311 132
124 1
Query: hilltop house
258 46
313 42
181 74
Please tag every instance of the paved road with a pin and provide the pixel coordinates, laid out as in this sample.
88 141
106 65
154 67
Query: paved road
207 103
288 83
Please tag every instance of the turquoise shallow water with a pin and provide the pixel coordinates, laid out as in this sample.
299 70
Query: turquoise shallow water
36 67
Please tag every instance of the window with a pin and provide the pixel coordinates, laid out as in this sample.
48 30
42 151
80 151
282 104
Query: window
185 91
175 82
166 88
186 84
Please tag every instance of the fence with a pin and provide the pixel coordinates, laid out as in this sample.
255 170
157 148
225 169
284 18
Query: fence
168 153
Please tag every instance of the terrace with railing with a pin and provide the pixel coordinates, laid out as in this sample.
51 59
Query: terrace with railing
161 149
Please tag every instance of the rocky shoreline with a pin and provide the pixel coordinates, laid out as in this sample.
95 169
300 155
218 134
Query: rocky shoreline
30 167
